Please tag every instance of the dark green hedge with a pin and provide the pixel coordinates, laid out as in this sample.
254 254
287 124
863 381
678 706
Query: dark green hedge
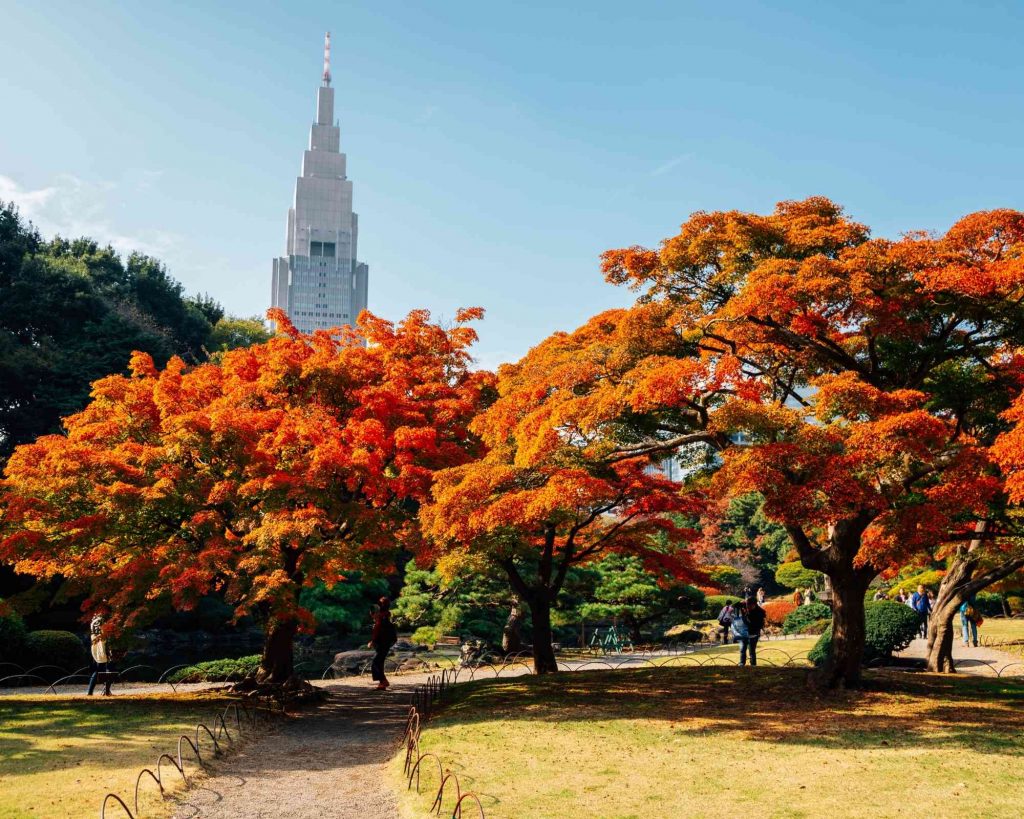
12 639
713 604
801 617
59 648
890 627
218 670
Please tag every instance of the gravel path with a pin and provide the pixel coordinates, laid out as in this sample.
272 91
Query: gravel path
326 763
982 661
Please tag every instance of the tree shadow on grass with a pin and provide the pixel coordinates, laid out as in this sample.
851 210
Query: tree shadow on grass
773 705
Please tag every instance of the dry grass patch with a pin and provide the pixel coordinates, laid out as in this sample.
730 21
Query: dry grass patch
718 742
60 756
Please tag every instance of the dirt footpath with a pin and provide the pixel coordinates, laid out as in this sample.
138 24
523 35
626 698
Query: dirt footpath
326 763
981 660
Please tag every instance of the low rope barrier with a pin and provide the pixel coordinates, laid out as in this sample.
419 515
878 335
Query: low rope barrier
423 698
220 723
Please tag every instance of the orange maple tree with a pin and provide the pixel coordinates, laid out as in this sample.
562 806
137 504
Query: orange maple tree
883 367
561 482
288 462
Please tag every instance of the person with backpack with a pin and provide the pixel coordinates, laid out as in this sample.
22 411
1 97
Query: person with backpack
970 619
383 637
725 618
754 617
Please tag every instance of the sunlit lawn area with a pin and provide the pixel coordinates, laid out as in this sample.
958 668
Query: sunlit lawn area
59 756
1000 631
725 742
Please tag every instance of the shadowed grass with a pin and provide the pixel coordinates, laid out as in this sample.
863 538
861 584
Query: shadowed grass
60 756
717 741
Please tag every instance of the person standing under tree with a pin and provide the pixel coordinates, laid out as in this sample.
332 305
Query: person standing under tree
922 604
383 637
100 659
754 617
970 619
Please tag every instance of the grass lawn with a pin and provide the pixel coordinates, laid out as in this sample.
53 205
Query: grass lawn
769 652
59 756
725 742
999 631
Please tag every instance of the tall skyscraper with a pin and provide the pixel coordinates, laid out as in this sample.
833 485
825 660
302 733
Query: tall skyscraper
320 283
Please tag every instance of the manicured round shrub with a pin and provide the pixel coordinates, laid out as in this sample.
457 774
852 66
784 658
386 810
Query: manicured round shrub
817 626
793 575
777 610
60 648
889 627
725 577
802 616
230 670
713 604
12 639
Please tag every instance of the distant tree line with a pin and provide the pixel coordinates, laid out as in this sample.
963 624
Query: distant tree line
72 311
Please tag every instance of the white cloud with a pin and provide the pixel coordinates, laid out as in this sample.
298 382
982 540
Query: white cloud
665 167
72 207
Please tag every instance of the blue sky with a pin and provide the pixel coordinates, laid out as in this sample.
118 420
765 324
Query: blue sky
497 149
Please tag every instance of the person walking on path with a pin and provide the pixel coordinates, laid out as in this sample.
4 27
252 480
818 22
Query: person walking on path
808 596
100 659
383 637
725 618
879 595
922 604
901 597
970 619
760 596
798 597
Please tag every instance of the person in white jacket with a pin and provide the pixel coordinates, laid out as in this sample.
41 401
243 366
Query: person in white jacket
101 662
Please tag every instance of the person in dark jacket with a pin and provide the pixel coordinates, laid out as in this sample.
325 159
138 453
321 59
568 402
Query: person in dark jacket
922 604
383 637
754 616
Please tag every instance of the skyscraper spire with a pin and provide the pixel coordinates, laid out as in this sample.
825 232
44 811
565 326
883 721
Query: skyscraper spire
327 58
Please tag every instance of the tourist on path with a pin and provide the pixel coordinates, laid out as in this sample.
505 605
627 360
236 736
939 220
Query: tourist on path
100 659
969 621
808 596
901 597
383 637
879 595
725 619
798 597
922 604
760 596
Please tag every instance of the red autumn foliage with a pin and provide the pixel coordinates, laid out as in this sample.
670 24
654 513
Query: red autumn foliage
282 464
776 611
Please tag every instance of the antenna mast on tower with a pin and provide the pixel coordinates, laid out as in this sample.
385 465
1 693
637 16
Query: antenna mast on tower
327 58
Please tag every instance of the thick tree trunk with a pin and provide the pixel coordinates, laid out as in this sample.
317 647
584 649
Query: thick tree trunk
543 654
511 637
960 583
277 664
941 628
849 584
842 670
